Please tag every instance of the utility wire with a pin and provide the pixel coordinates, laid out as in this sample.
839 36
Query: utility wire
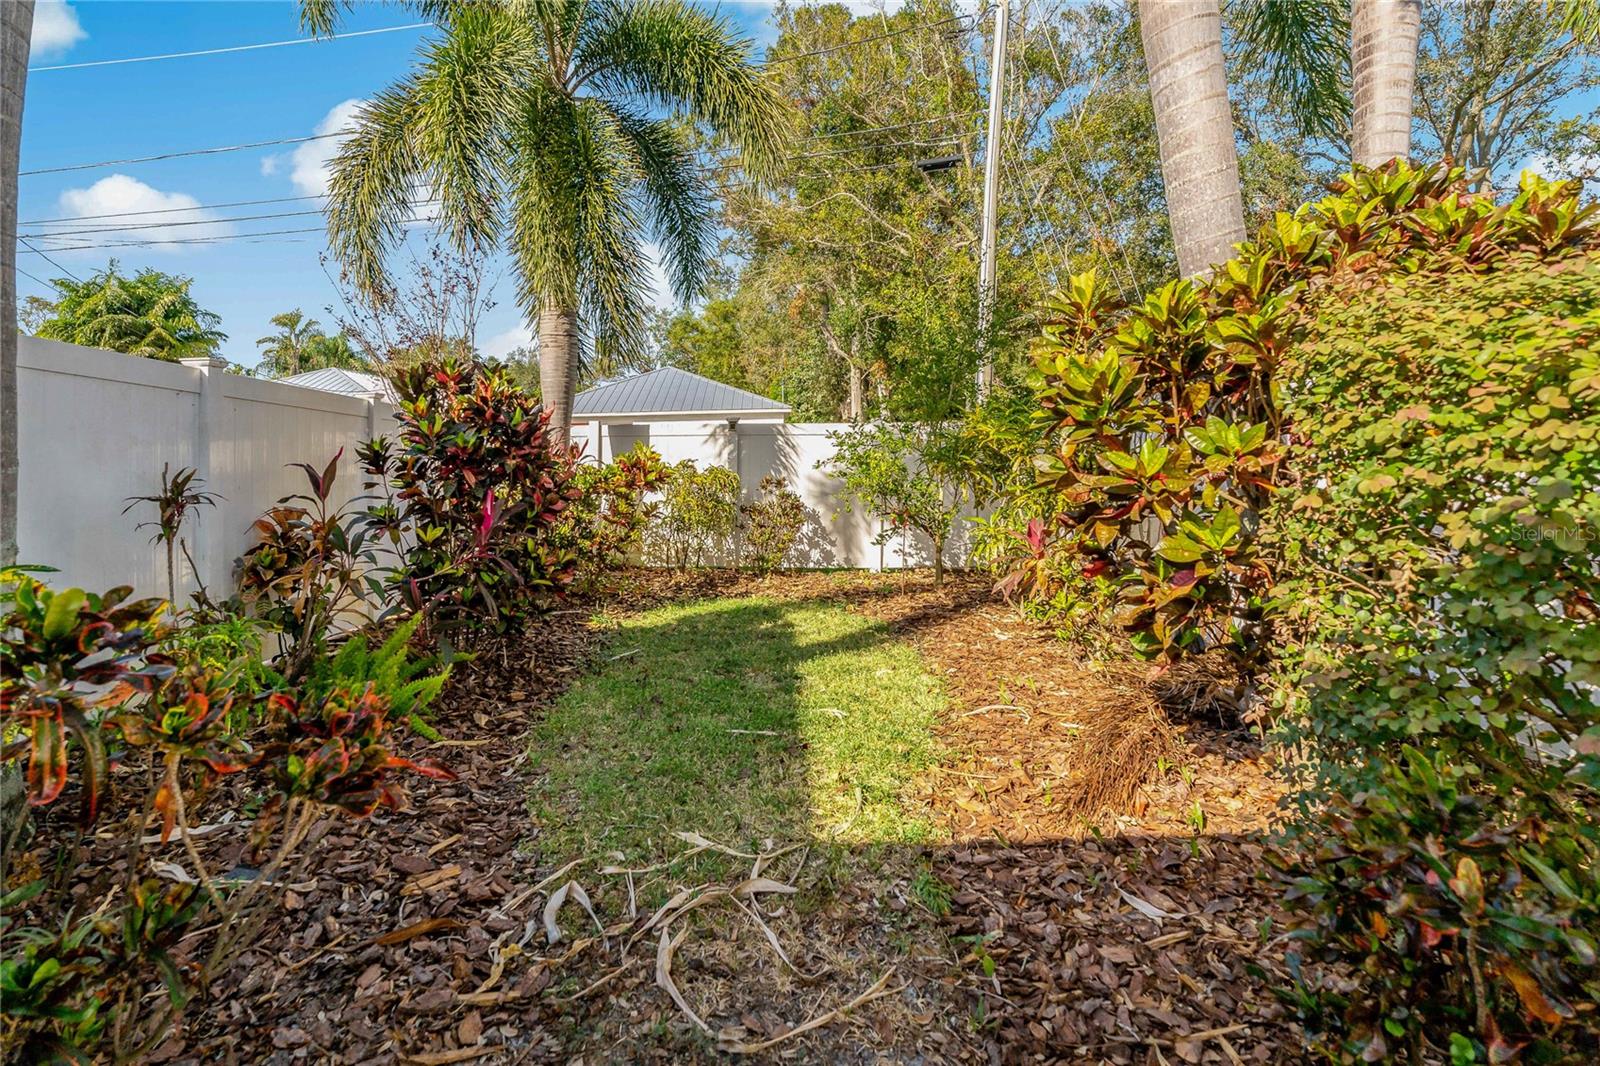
234 48
977 17
189 222
342 133
52 262
217 238
173 210
34 279
179 155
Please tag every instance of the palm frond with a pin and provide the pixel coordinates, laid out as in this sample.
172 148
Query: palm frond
374 177
668 54
1304 48
463 93
683 212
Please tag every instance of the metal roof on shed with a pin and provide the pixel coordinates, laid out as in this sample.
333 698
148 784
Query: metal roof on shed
337 379
670 391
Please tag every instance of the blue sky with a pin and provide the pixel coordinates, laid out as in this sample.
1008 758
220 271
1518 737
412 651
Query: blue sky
142 109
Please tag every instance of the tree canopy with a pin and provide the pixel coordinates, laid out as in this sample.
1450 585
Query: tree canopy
150 314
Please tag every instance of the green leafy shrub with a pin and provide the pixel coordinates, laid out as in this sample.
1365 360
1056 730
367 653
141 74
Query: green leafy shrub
1162 444
698 520
608 520
771 524
1440 581
480 488
406 681
906 476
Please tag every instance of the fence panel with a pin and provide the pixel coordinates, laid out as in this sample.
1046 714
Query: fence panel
94 428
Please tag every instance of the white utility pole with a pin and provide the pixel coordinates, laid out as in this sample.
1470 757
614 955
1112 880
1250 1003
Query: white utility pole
991 201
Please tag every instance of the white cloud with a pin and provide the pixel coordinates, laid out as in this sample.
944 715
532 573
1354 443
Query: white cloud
269 165
136 212
309 163
506 341
55 28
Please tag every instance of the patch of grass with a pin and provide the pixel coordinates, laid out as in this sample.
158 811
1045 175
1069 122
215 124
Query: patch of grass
746 720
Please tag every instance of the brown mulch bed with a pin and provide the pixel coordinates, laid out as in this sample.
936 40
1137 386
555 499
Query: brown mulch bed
392 945
1138 933
1143 933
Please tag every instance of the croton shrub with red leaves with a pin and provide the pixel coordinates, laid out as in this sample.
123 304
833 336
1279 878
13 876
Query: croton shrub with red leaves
480 489
84 688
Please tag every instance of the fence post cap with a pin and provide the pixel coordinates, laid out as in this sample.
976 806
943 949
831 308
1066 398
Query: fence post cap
206 362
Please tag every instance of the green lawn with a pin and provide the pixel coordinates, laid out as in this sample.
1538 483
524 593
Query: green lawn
745 720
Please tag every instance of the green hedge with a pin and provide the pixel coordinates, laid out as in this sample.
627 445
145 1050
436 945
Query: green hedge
1440 579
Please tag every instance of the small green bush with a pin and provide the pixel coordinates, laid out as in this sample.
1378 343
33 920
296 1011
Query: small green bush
771 524
908 477
1441 577
607 522
699 516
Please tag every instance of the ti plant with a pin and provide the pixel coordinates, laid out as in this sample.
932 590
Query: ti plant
312 565
481 487
179 497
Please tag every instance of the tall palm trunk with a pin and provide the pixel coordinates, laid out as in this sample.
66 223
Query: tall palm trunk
1383 69
16 31
1194 124
558 367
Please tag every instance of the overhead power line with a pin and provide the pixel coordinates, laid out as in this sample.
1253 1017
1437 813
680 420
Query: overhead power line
976 18
233 48
34 278
52 262
174 210
180 155
214 239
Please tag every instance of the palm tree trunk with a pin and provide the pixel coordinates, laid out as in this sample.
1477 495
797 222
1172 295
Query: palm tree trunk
1194 125
558 367
16 31
1383 68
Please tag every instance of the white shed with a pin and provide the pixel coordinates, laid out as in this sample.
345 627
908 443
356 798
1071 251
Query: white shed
666 407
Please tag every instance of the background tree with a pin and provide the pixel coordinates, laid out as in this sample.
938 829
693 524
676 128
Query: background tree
150 314
300 345
562 128
283 352
1491 76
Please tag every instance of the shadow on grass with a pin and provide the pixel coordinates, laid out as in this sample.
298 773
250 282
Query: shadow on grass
760 723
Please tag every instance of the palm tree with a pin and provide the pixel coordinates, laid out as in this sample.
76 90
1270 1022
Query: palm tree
150 314
1383 60
543 119
283 352
16 31
1194 126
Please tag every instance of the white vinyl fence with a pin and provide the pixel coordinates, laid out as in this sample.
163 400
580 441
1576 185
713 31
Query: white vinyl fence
95 428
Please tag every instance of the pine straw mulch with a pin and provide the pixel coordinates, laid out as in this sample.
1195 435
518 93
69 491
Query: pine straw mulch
1077 932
